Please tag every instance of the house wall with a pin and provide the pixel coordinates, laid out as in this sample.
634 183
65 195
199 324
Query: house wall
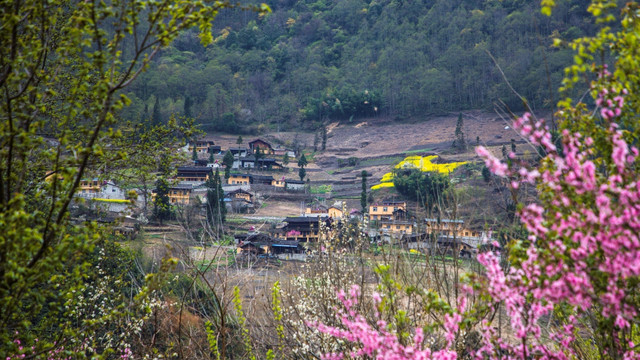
89 186
179 196
242 196
398 228
450 229
262 147
238 180
335 213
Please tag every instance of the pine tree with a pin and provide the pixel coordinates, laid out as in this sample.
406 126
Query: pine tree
156 118
460 142
227 161
161 205
363 195
187 106
216 210
513 146
194 154
239 141
302 162
302 173
285 158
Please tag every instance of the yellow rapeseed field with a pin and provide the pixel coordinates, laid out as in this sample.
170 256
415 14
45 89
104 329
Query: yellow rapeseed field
418 162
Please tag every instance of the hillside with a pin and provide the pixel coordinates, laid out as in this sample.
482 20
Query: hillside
377 144
316 61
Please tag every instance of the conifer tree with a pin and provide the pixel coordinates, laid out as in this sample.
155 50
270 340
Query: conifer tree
156 118
216 210
227 161
161 205
363 195
187 106
302 162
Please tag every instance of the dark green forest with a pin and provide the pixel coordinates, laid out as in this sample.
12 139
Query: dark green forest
315 60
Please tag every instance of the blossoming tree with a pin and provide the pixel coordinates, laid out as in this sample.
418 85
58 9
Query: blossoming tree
572 288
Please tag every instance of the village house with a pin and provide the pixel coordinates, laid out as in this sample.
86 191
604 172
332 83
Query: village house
262 146
261 179
202 146
200 162
398 223
449 227
240 195
180 194
385 210
215 149
258 244
238 201
194 173
239 179
89 187
295 185
278 183
238 152
316 210
335 212
251 162
303 228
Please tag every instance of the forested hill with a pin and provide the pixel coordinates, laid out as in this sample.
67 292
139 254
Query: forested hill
313 60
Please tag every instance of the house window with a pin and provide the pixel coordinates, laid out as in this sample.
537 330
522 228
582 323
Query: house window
395 208
375 209
384 209
397 227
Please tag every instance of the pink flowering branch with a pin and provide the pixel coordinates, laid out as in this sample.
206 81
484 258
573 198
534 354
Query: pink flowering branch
377 341
584 250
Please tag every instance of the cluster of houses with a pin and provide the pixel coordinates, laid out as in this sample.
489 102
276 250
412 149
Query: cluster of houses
388 221
260 155
191 179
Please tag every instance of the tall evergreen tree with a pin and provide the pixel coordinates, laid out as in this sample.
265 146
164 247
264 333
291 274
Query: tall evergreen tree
194 154
156 118
227 161
460 143
161 205
239 140
302 173
363 195
216 210
187 106
302 162
285 158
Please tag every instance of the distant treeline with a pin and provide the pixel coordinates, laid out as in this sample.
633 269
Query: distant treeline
313 60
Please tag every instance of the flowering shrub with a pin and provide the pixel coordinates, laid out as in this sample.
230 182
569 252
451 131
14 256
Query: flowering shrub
377 339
